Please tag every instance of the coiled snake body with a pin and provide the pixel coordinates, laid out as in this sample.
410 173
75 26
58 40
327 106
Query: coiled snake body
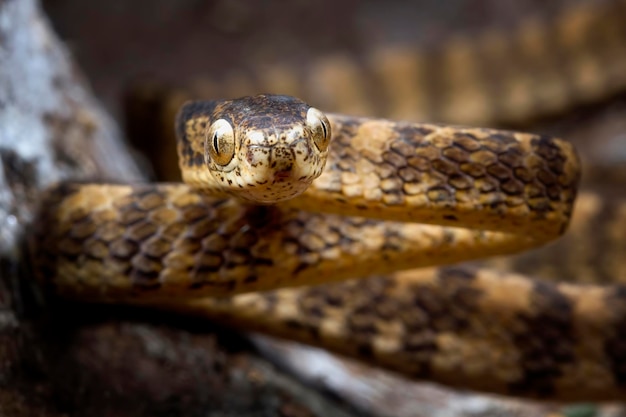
392 196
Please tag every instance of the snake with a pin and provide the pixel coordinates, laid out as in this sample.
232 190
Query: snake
379 196
391 201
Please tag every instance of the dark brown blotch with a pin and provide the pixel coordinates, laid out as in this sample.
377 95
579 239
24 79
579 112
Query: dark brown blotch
523 174
215 243
402 148
498 141
473 169
68 247
208 262
245 239
203 227
466 141
394 159
499 171
512 187
444 166
412 134
545 147
456 154
546 177
512 157
420 163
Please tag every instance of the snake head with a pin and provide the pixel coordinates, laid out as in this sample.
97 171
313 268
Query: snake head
262 149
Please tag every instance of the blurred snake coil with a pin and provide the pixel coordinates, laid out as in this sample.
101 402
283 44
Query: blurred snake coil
393 196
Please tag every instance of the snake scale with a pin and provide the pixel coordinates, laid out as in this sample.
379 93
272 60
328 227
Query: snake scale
392 196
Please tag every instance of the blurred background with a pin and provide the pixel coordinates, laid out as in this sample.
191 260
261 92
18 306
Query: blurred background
227 41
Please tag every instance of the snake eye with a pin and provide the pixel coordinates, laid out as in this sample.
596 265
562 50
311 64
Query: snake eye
320 127
220 142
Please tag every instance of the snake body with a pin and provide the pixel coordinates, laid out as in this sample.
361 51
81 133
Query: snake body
475 193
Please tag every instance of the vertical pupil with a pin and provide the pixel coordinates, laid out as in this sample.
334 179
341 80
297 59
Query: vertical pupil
215 146
324 129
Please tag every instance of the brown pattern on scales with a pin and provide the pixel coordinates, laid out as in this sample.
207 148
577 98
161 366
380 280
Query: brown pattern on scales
456 176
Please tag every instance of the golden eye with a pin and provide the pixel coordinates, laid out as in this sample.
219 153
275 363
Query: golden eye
220 142
320 127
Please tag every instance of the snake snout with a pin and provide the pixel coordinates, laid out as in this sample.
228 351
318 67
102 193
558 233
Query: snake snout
279 169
